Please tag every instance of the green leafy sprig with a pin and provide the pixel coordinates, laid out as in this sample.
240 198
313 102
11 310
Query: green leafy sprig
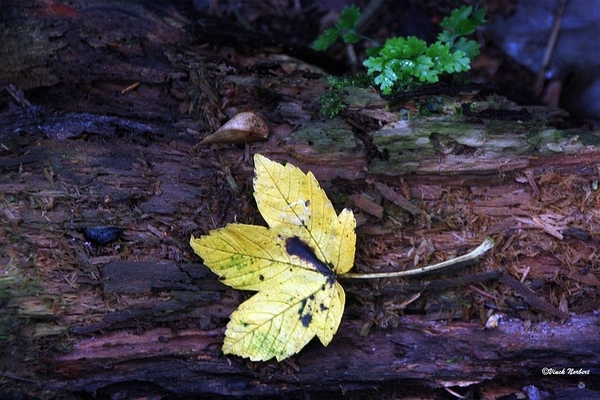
402 62
345 28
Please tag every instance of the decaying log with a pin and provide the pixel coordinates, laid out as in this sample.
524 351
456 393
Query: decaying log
142 316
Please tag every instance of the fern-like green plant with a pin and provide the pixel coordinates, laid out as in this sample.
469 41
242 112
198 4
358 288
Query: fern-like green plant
401 62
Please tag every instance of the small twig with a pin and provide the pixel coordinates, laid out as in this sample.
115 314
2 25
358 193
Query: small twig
487 244
483 293
452 392
525 273
550 45
16 377
368 13
439 285
238 16
531 181
396 198
130 87
531 298
18 95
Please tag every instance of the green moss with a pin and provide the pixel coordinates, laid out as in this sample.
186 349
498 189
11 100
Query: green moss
333 137
336 98
331 103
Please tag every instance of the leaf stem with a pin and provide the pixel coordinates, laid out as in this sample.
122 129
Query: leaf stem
363 37
486 245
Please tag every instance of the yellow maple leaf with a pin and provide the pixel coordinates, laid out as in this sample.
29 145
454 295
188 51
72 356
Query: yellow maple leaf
293 264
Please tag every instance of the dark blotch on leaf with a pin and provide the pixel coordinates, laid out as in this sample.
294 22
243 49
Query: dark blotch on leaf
302 305
296 247
261 277
102 235
306 319
322 307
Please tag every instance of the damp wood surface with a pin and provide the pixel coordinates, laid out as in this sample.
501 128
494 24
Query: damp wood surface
100 129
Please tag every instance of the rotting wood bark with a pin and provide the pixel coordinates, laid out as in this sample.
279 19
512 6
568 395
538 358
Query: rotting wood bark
79 319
